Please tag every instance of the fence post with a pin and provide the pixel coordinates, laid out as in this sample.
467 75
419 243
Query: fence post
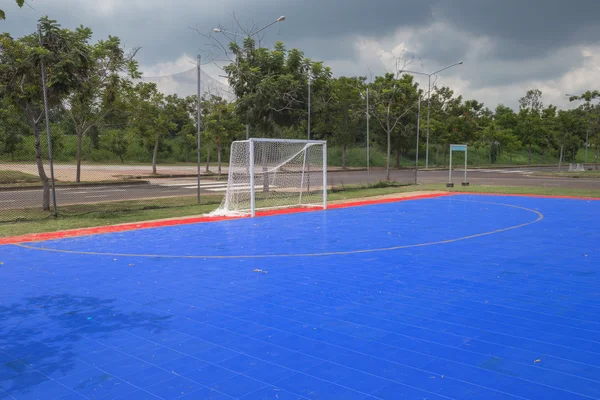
55 213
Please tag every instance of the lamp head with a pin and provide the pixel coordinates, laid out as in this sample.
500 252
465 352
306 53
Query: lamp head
280 19
217 30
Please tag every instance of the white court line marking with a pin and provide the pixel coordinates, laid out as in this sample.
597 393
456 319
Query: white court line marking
98 195
237 188
7 201
96 191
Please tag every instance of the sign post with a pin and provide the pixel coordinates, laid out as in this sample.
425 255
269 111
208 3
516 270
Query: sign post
457 147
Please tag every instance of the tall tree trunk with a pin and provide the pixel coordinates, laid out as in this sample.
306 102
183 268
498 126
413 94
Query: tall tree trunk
561 157
445 156
219 158
389 150
79 144
344 148
543 155
529 155
398 154
154 154
40 167
208 158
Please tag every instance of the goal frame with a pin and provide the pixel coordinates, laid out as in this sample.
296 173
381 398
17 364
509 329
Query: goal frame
251 142
252 169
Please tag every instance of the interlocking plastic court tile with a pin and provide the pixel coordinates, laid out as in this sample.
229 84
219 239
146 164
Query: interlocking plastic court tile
175 387
238 385
209 374
468 297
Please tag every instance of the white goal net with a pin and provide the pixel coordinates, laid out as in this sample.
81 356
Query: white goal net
275 173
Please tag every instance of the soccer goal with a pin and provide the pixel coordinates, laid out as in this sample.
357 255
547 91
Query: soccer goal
275 173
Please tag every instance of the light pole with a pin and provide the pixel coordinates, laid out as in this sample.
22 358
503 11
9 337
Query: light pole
587 132
429 103
218 29
308 129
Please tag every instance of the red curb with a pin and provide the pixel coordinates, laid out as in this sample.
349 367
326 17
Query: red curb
38 237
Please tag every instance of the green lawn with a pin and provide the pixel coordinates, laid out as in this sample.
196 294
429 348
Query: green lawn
102 214
10 177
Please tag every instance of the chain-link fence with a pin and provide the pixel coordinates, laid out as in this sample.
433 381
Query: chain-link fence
138 151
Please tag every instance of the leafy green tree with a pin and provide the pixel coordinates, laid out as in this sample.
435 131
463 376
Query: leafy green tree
117 141
442 103
65 54
12 126
391 100
272 85
547 127
451 125
98 93
341 121
506 121
221 125
567 130
592 117
150 119
529 127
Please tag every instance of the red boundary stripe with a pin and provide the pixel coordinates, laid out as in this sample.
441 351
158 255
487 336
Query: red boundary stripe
38 237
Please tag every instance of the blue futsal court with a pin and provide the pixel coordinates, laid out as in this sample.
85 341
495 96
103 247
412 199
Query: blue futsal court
456 297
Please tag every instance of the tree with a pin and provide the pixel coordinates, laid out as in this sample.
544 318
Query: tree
117 142
442 102
391 100
221 124
11 128
98 93
342 115
149 118
593 116
529 125
272 85
547 126
569 124
506 121
64 53
3 14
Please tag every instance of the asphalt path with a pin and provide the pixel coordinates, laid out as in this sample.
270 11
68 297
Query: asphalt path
171 187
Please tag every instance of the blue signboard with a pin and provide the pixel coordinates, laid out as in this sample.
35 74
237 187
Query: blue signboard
458 147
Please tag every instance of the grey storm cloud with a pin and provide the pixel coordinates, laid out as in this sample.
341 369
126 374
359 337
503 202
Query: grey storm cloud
508 42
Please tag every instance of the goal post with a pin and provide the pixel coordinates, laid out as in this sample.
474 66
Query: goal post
275 173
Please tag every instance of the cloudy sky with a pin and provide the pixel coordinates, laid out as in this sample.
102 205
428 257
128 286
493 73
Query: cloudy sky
507 46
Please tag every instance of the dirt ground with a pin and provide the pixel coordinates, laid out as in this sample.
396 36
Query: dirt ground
108 172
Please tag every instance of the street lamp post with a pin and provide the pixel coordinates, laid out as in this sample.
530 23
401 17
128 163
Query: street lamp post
218 29
429 103
308 131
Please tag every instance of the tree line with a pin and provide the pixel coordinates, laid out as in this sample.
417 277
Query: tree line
95 97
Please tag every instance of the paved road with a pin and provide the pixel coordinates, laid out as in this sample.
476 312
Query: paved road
187 186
